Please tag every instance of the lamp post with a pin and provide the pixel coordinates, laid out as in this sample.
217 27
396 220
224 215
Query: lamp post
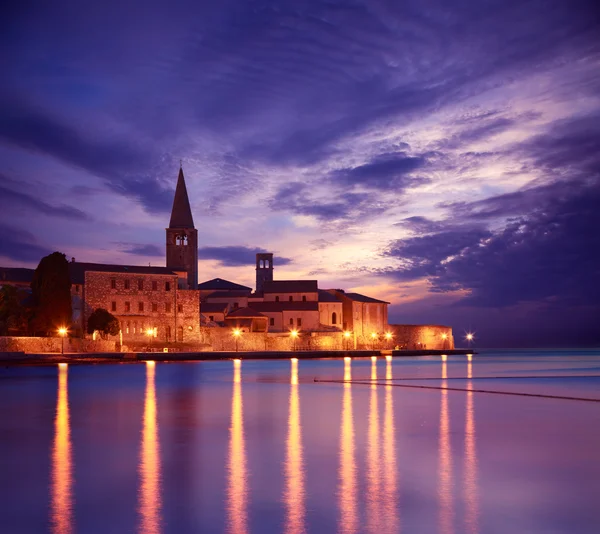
236 334
294 334
63 332
469 337
444 337
388 337
150 333
374 338
347 335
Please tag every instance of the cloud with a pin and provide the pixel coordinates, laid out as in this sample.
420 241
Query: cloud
20 245
237 256
142 250
17 201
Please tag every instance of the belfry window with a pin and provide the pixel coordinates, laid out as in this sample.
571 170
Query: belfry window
181 239
333 318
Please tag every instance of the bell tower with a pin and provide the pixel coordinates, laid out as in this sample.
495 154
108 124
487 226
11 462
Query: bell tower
264 269
182 237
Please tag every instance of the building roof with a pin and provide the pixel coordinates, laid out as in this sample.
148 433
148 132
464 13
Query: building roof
16 275
218 284
181 214
244 313
272 307
227 294
326 296
362 298
77 270
290 286
257 295
213 307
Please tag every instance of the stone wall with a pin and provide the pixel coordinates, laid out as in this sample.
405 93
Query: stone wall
419 337
53 344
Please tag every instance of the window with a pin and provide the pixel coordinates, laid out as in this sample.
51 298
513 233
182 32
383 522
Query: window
127 306
113 283
113 306
299 322
334 318
154 285
154 307
134 326
168 332
291 298
76 289
168 307
211 317
167 286
126 284
267 264
127 327
235 306
292 321
140 306
277 298
180 333
271 321
303 298
140 285
179 308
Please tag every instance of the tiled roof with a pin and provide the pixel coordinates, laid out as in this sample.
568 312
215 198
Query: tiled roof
290 286
16 274
213 307
362 298
271 307
218 284
77 270
244 313
227 294
326 296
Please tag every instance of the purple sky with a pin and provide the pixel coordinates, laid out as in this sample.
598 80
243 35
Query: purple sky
443 156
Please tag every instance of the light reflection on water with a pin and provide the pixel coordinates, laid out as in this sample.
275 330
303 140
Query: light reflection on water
470 459
237 487
445 490
347 490
149 467
390 512
294 471
374 470
62 460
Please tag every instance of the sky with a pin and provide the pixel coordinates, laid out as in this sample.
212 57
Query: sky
442 156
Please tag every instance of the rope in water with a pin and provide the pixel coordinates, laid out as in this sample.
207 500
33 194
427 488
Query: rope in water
514 393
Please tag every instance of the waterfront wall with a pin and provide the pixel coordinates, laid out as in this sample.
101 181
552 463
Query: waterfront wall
53 344
420 337
222 339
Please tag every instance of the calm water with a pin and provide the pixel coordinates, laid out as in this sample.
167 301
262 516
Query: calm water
261 447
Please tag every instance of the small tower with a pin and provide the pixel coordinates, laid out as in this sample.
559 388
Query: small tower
264 269
182 237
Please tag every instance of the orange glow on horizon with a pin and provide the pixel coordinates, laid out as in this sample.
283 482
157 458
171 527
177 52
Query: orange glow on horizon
149 467
62 462
347 489
294 492
237 490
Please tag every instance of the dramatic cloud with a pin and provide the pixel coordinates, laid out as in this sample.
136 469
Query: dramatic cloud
20 245
232 256
142 250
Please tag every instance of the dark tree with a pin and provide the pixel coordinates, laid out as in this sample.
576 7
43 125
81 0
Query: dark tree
14 314
104 322
51 293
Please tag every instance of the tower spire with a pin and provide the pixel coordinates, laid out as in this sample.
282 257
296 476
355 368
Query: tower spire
181 214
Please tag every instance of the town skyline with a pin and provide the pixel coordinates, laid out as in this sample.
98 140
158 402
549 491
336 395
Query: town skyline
365 147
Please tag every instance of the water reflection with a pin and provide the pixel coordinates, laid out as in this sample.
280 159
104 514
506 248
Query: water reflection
62 461
446 510
374 472
347 486
149 468
390 502
294 494
237 484
470 467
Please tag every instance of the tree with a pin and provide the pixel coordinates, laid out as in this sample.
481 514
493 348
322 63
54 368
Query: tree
14 313
51 292
103 321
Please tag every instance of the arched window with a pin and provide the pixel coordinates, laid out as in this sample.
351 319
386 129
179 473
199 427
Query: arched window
261 264
267 264
277 298
180 333
334 318
303 298
291 298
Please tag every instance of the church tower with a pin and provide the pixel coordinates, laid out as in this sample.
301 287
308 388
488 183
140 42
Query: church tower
264 270
182 237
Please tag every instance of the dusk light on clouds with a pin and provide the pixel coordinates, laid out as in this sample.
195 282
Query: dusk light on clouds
443 156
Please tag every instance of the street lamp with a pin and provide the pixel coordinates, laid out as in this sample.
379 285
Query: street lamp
294 334
63 332
469 337
388 336
150 333
374 338
236 334
444 337
347 335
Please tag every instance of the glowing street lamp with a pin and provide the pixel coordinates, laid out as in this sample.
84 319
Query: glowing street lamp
469 337
62 332
347 335
444 338
388 337
236 334
150 333
294 334
374 338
